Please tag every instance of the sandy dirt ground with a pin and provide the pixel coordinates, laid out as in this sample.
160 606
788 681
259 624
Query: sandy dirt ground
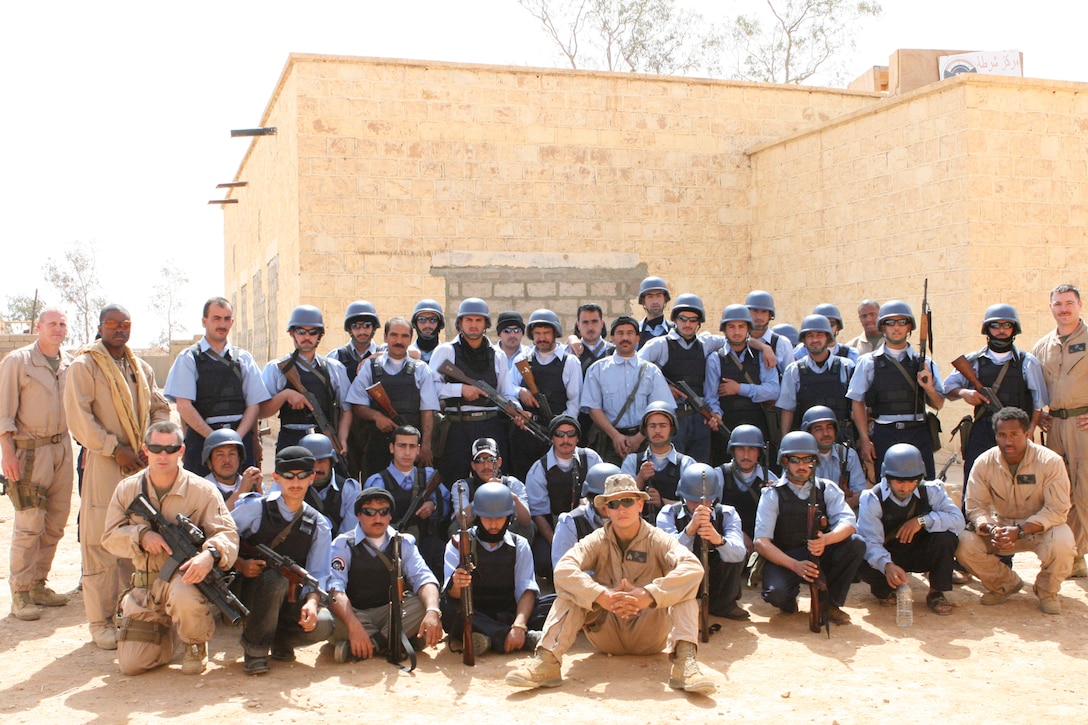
979 664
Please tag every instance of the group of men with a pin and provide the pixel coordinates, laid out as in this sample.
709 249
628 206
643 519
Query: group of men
631 458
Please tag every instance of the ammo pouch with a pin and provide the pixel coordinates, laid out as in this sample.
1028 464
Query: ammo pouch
934 425
964 430
24 494
130 629
439 431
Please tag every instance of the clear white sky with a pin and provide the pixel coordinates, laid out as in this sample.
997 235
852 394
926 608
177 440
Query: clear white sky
116 115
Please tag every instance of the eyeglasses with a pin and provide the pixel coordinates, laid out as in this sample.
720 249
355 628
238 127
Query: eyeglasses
114 324
897 322
485 459
362 325
300 475
565 434
432 319
803 460
311 331
366 511
510 330
624 502
685 318
156 448
1002 325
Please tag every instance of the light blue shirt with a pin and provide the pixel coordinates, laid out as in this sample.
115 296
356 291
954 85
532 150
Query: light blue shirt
837 510
406 481
275 382
428 391
565 534
863 380
416 571
1030 366
572 376
536 480
524 578
349 492
249 512
610 381
791 379
830 466
446 353
944 516
800 351
181 380
765 390
732 549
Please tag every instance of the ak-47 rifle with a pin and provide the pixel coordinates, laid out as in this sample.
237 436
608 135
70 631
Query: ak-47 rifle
575 481
943 475
963 367
185 540
504 404
399 646
844 468
328 428
378 395
529 378
704 586
925 333
700 404
295 574
468 563
418 499
819 604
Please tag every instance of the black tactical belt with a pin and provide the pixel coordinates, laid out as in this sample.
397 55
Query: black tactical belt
628 431
1064 413
471 416
904 424
38 442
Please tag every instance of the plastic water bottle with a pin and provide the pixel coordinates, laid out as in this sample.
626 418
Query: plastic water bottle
904 606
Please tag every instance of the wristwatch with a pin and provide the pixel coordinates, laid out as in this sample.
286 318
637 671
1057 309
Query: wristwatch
921 521
215 555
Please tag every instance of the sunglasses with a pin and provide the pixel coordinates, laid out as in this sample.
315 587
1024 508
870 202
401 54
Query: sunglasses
804 460
432 319
310 331
565 434
624 502
685 318
114 324
510 330
156 448
485 459
366 511
1001 325
899 322
362 325
300 475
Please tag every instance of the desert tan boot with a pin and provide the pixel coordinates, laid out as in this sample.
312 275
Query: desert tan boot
542 671
24 608
196 658
43 596
686 674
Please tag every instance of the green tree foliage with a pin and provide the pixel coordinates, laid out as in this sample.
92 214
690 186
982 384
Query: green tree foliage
75 278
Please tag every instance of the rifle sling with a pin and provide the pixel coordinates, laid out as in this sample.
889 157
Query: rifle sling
630 398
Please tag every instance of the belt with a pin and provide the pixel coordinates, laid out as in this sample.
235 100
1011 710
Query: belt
628 431
904 424
471 416
39 442
1064 413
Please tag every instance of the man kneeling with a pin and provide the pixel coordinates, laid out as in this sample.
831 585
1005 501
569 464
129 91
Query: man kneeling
625 570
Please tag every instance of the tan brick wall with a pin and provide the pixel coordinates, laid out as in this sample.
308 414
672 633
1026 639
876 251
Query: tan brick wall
398 161
977 183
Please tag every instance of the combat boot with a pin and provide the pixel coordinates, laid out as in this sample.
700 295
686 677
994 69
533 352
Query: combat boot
542 671
196 658
104 636
43 596
686 674
24 608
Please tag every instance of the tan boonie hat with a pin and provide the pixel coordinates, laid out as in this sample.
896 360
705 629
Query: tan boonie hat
619 485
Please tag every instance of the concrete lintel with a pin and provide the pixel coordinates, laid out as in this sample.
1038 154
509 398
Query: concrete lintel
536 260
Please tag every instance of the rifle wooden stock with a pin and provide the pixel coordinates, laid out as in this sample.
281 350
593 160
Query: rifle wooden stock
504 404
418 499
467 562
963 367
529 378
326 427
704 586
378 395
700 405
399 646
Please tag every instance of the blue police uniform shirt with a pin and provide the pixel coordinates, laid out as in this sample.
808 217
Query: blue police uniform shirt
837 510
416 571
524 578
181 380
249 511
944 515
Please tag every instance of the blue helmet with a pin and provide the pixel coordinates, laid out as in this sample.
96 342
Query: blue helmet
690 303
1001 313
305 316
360 310
474 306
903 461
433 307
758 299
699 481
493 500
222 437
593 485
653 284
798 443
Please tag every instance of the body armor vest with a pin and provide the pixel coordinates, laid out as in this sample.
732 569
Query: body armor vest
368 577
297 543
560 482
401 388
317 383
890 393
1014 389
493 579
219 389
821 389
892 515
688 365
748 373
487 374
745 502
330 507
791 527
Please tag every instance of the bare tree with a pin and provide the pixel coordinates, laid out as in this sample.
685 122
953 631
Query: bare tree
795 39
167 301
641 36
76 281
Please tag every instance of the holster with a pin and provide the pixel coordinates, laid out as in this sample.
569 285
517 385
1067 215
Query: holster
934 425
439 432
24 494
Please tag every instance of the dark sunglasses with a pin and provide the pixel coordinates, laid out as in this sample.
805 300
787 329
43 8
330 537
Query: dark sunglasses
365 511
900 322
685 318
484 459
565 434
156 448
509 330
114 324
1002 325
624 502
300 475
806 460
311 331
362 325
433 319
